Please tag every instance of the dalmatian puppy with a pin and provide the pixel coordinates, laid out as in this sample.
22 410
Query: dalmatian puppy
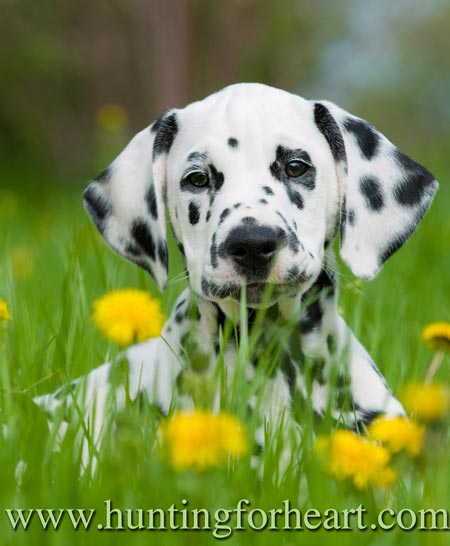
257 183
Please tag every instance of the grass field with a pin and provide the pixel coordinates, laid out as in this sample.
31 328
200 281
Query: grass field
54 265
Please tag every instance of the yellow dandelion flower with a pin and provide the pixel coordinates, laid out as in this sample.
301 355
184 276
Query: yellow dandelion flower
111 117
349 456
426 402
398 433
437 336
128 316
4 311
199 440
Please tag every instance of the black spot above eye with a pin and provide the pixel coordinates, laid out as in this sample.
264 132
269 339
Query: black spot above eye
371 189
233 142
366 136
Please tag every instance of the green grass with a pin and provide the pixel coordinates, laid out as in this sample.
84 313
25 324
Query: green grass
51 340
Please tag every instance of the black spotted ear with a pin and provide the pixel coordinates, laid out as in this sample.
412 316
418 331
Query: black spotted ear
383 193
126 201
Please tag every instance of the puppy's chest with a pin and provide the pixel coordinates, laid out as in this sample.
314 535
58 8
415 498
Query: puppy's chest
256 356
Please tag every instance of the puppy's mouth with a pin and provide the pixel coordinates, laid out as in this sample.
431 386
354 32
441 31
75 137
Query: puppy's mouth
256 292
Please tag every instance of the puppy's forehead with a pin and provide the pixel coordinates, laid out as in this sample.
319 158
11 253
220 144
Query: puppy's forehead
241 111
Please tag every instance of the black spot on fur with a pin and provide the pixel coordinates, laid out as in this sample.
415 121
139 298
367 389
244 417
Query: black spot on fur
224 215
366 136
292 239
295 198
181 249
179 317
267 190
351 217
133 250
294 275
263 201
233 143
417 182
162 253
330 130
208 215
217 177
324 286
371 189
342 396
180 304
237 205
166 129
97 205
343 219
141 234
221 317
194 213
278 168
214 260
197 157
311 318
205 285
150 198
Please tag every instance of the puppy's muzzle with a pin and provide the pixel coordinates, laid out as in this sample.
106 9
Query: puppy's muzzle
252 249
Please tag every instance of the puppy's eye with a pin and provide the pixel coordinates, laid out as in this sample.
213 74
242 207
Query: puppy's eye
296 168
198 179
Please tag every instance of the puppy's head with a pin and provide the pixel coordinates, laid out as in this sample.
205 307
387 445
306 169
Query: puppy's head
257 181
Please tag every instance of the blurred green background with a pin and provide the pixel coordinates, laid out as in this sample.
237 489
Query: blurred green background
80 77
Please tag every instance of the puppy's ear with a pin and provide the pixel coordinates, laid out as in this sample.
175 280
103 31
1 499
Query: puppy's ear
383 193
126 201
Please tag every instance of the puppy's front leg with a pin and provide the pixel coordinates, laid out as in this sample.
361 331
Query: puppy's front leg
369 391
326 339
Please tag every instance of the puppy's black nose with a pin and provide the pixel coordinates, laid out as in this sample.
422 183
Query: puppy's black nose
252 247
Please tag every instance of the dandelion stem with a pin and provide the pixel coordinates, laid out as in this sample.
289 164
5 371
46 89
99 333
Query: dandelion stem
434 366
